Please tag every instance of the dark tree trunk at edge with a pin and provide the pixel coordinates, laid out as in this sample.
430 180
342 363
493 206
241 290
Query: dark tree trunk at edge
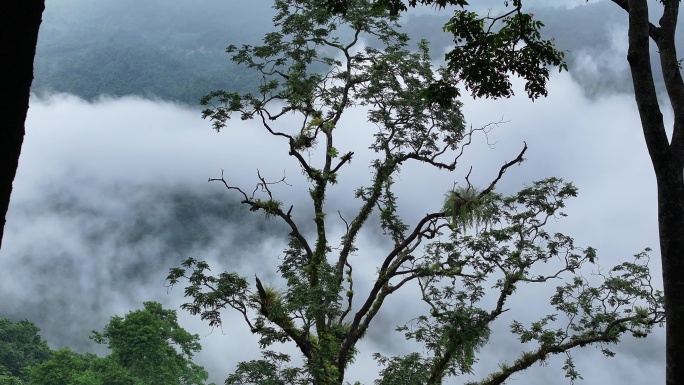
671 223
667 156
19 25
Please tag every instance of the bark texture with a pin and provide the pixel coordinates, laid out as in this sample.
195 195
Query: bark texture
667 156
19 25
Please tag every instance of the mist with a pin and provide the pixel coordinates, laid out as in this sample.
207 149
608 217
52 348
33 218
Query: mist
111 194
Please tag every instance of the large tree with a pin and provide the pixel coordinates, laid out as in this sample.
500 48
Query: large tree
463 260
19 25
667 156
152 346
666 151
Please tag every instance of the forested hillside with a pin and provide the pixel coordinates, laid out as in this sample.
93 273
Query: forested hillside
176 50
155 49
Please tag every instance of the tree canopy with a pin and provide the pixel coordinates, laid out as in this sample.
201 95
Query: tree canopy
20 346
148 347
152 346
488 48
465 259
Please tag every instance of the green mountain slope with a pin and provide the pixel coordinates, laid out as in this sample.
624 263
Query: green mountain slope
175 50
156 49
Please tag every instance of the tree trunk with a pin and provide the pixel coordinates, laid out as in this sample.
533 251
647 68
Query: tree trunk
671 227
667 157
19 25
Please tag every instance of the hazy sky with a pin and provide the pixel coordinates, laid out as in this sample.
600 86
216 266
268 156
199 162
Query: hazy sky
110 195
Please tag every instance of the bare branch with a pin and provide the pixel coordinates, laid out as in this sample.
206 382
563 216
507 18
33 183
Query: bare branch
503 169
255 206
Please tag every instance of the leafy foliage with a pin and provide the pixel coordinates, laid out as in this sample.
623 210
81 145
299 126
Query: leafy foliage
485 59
6 377
488 49
69 367
148 347
63 368
20 346
151 345
311 72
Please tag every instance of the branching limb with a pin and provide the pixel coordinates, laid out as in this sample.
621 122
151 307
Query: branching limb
270 308
270 207
503 169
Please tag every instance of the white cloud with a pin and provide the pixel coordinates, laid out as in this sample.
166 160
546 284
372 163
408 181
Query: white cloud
99 182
